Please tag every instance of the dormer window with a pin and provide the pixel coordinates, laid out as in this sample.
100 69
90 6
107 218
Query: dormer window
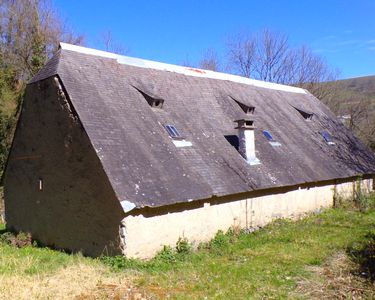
249 110
327 137
306 115
152 101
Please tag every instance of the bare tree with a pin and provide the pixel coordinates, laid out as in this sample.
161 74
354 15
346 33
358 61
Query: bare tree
268 56
111 45
30 31
210 61
272 56
241 52
187 63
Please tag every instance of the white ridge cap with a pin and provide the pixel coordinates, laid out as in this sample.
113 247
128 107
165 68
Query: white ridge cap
137 62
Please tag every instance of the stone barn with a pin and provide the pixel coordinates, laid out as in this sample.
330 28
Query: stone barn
115 155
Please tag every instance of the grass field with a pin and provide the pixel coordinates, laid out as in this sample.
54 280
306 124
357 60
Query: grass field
325 256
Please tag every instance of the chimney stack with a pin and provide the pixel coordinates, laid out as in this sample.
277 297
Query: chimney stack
247 140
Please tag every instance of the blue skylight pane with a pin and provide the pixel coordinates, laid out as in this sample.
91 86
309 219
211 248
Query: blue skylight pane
327 137
267 135
172 131
175 131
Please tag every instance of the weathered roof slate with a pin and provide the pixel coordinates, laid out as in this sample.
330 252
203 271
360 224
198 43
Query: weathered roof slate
147 169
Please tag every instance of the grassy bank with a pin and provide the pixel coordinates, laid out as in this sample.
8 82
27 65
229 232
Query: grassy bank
318 257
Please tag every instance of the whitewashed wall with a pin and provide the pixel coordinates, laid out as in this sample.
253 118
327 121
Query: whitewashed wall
144 236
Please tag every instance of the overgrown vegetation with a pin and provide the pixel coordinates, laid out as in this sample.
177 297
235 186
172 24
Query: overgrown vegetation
363 253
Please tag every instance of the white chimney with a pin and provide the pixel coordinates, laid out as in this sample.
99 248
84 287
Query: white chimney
246 140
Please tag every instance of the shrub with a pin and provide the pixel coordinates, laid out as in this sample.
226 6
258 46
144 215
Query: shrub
19 240
167 255
220 242
366 202
183 246
364 254
118 262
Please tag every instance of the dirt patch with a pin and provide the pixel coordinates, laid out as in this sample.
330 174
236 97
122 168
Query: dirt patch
336 279
114 291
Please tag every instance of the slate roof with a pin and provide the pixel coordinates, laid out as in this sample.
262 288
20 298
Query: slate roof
147 169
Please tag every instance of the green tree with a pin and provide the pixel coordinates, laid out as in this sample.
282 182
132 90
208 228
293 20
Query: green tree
30 32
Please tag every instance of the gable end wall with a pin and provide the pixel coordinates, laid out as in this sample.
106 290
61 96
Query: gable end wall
76 208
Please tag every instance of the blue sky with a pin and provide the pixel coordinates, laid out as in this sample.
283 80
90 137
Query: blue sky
343 32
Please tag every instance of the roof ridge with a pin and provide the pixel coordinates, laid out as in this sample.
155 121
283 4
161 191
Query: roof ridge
189 71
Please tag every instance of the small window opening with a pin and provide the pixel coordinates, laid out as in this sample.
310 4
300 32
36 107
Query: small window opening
233 140
249 110
306 115
40 184
153 102
327 137
172 131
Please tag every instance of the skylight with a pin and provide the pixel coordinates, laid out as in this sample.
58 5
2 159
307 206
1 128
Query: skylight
270 139
177 139
327 137
268 136
172 131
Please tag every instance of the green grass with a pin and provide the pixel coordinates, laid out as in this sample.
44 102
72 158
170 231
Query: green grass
265 264
31 260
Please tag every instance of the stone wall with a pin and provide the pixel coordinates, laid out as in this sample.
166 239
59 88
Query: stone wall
55 187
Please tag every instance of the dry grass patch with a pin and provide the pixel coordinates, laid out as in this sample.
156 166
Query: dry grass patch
80 281
337 278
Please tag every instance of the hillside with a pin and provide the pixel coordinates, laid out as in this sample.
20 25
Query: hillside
353 100
359 89
363 85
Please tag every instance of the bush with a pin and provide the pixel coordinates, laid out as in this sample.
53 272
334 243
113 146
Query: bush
361 202
183 246
364 254
366 202
119 262
167 255
19 240
220 243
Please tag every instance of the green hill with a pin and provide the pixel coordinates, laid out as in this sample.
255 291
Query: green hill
353 100
363 85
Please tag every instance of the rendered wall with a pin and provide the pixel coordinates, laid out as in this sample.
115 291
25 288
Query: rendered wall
76 208
145 235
